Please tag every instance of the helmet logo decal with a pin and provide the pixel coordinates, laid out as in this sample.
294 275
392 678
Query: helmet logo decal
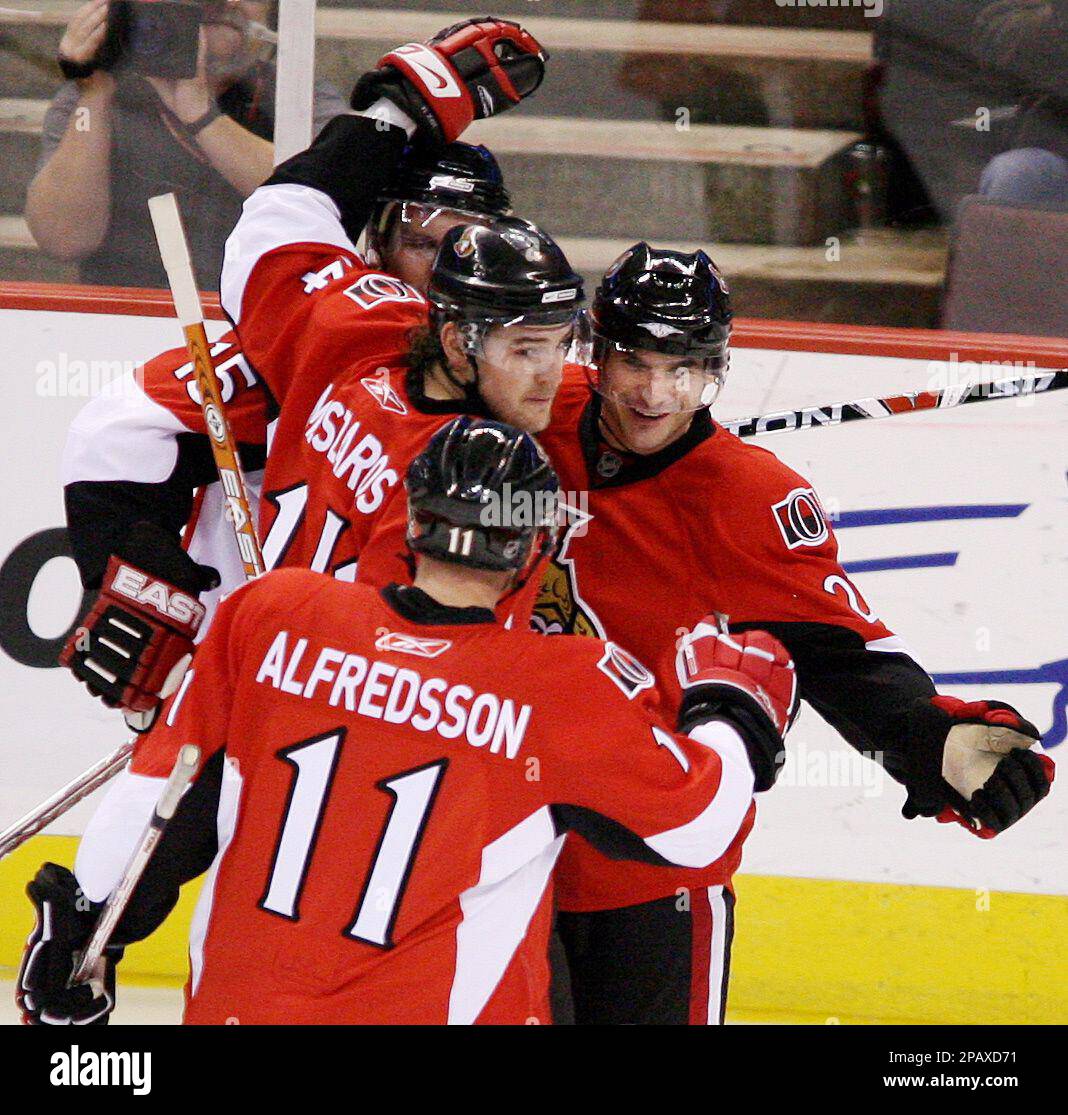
465 245
659 328
451 182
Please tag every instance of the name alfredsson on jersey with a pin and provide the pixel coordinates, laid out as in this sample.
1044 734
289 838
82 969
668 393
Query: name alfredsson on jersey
394 694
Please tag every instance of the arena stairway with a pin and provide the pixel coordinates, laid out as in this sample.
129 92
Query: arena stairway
657 121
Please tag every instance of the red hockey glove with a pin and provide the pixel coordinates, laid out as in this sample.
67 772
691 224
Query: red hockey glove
747 679
989 777
132 648
65 921
469 71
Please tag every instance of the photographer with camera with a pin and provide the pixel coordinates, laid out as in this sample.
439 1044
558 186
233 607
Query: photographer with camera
160 95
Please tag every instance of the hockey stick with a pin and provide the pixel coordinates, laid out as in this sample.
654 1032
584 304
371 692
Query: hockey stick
174 250
91 963
1035 382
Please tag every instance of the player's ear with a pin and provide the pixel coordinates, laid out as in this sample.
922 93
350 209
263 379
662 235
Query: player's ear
452 346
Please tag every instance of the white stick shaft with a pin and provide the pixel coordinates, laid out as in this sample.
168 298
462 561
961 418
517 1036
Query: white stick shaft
174 251
44 814
295 78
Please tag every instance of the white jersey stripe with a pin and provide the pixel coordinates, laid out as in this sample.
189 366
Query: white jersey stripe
704 839
717 954
122 434
271 218
496 912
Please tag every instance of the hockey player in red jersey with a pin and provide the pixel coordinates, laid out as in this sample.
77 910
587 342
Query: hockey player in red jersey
682 518
398 777
140 453
685 519
345 334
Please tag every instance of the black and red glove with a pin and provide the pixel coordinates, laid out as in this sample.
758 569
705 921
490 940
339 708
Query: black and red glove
65 922
469 71
132 648
747 679
988 777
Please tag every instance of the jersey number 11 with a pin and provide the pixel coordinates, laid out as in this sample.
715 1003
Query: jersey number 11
314 762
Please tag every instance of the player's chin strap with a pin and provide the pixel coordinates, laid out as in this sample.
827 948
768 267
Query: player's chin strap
536 562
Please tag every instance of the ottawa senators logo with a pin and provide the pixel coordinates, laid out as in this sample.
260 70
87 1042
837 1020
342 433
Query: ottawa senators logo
801 520
560 610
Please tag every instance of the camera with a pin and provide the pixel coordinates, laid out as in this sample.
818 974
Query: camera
156 38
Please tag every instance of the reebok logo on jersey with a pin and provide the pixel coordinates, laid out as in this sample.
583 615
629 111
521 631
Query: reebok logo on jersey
800 519
412 644
382 392
166 599
395 695
431 69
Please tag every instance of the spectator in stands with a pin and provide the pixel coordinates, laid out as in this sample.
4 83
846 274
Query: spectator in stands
113 139
1027 41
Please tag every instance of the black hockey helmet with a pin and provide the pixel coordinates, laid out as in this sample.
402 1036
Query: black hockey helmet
482 494
657 300
461 178
504 272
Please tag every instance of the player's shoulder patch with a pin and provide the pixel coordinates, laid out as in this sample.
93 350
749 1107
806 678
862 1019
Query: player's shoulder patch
376 288
801 519
624 671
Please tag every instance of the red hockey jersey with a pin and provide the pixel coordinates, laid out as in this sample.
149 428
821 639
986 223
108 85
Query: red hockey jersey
330 338
398 788
713 525
716 525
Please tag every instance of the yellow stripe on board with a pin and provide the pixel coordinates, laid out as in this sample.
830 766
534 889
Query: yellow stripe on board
805 950
815 950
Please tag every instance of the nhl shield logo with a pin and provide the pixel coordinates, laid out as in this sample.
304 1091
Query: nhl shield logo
380 389
801 520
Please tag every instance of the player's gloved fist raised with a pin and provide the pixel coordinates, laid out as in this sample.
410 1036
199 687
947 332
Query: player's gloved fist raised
988 777
65 920
469 71
747 679
132 648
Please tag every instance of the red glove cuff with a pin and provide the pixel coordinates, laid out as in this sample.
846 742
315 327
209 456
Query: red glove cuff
438 83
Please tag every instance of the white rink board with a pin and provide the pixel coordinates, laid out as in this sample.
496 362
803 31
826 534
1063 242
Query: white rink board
1008 576
53 730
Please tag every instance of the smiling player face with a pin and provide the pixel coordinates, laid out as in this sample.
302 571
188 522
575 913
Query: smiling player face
650 397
